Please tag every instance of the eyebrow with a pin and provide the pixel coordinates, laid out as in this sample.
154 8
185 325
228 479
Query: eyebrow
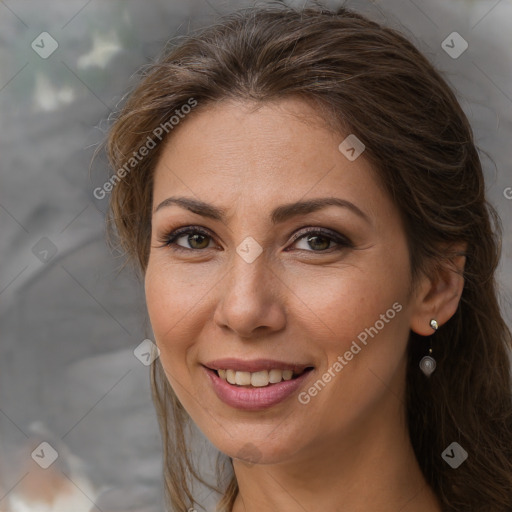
280 214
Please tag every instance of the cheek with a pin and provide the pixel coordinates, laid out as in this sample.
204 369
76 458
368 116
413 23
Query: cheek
364 351
173 296
160 301
360 321
169 304
342 303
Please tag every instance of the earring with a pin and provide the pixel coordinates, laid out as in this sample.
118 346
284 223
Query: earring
428 363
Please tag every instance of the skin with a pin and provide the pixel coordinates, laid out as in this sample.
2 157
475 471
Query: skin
347 449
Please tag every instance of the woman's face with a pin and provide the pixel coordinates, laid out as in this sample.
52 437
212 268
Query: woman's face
246 287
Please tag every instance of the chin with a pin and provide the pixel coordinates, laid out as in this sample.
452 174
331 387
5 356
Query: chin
252 449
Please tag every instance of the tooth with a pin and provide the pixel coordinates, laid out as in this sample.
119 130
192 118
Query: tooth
259 379
243 378
287 374
275 376
230 376
256 379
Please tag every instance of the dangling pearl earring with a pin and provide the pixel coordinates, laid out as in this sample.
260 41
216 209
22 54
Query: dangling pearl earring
428 363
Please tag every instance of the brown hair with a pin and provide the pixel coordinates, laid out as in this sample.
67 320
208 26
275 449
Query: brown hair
370 81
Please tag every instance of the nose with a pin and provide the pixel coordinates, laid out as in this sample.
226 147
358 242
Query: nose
253 299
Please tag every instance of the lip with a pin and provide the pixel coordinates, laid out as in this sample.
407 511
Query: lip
254 365
255 399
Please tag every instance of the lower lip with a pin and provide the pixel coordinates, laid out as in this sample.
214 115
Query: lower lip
254 399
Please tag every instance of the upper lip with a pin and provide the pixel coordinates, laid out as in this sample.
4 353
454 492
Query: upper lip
254 365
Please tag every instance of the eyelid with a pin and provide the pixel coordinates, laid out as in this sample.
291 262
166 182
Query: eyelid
168 237
334 235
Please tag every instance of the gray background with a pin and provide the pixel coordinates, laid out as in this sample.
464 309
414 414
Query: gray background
70 318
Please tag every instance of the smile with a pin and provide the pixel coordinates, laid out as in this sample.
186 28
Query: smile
258 389
257 379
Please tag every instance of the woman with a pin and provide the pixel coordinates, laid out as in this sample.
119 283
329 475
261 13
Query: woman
303 196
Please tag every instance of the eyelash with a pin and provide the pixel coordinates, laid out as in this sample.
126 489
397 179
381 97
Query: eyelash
168 240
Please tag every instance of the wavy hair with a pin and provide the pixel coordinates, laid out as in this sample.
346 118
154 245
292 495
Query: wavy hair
366 79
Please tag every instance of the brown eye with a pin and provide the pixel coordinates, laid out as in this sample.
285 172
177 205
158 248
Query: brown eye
194 239
197 239
320 241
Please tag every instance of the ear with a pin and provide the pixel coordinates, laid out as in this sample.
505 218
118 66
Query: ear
438 297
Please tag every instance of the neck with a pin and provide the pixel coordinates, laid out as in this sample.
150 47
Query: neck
370 467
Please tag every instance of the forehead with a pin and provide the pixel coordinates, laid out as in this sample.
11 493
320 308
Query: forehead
251 155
